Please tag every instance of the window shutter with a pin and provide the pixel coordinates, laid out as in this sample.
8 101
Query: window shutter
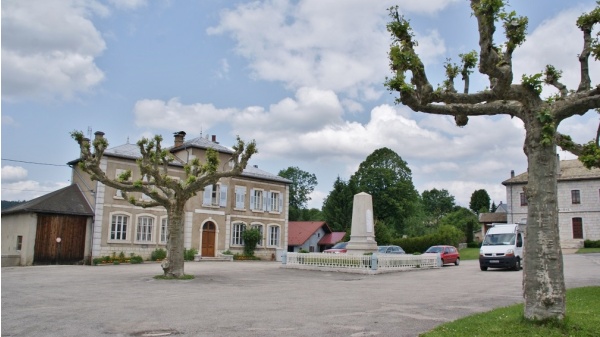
252 199
223 196
207 195
280 202
268 201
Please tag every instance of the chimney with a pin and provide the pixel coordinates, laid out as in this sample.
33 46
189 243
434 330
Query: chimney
85 142
512 173
214 139
98 135
179 137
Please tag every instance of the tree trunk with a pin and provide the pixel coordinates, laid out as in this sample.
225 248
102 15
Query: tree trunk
173 264
543 278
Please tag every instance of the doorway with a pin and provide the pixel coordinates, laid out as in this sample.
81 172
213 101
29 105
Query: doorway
209 231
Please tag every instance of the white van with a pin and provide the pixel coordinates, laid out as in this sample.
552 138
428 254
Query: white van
502 247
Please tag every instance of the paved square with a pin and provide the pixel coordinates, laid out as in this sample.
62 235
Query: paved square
255 299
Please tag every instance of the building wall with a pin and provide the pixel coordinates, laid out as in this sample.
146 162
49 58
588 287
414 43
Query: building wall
588 209
14 225
107 203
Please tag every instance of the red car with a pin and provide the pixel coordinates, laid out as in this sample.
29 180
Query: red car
449 254
338 248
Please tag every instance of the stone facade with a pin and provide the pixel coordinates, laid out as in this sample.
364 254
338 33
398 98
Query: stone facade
214 218
578 202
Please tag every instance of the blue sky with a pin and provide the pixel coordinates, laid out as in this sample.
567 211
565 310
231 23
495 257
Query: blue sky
303 78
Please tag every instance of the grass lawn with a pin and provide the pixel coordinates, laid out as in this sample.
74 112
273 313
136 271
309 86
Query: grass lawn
588 250
469 254
583 306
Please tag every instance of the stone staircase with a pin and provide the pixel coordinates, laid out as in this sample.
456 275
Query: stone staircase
199 258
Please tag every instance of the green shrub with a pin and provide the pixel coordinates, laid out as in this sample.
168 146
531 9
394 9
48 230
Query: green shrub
243 257
97 261
121 257
251 237
158 254
473 244
591 244
304 251
445 235
227 252
115 262
135 259
188 254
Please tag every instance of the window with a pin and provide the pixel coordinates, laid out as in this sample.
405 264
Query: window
145 226
240 197
274 236
523 199
119 193
260 229
275 202
256 200
19 242
118 227
575 197
164 230
577 228
236 233
215 195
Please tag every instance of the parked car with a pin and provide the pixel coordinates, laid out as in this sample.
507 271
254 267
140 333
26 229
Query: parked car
390 250
449 254
338 248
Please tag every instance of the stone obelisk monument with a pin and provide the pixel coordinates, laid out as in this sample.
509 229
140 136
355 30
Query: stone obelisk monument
362 234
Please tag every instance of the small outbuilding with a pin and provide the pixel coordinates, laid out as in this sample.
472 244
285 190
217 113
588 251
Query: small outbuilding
311 236
52 229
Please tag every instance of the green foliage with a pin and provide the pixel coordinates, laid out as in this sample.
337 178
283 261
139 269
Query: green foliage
480 201
492 8
158 254
469 61
251 237
337 206
445 235
590 155
436 204
591 244
533 82
167 277
384 233
227 252
96 261
473 244
548 127
515 28
303 251
463 219
387 178
243 257
188 254
136 259
303 184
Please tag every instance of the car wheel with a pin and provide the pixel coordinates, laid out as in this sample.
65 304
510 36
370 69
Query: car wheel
483 268
517 266
457 262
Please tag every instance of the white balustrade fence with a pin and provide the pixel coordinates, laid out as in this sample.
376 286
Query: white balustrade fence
375 263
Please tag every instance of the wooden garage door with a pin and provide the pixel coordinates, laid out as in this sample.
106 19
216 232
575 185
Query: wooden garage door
71 230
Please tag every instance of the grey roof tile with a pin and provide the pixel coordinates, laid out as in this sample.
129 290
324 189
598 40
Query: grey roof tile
569 170
68 200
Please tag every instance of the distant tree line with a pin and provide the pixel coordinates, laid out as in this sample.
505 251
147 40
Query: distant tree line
6 204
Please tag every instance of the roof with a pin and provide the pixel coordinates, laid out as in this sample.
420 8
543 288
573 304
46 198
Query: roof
332 238
202 143
255 172
569 170
300 231
68 200
492 217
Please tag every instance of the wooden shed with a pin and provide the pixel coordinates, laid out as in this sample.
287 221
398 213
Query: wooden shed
52 229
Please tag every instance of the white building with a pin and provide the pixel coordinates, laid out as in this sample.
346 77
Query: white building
578 202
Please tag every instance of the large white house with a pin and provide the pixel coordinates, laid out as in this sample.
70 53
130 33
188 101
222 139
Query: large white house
578 202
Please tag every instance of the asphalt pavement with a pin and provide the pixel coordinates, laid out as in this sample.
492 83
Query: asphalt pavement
256 299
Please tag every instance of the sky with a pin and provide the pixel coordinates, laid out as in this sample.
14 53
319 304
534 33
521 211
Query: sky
302 78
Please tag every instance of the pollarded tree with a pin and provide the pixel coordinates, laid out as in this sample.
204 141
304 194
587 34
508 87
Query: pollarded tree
480 201
543 278
164 191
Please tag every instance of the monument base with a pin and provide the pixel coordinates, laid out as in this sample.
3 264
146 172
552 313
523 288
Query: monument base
359 244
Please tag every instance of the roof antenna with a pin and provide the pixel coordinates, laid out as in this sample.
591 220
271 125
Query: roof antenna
127 139
89 132
200 131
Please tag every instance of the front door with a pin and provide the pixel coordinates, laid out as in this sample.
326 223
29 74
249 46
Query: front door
208 239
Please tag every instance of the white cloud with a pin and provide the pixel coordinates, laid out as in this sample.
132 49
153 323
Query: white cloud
129 4
556 41
323 44
49 48
28 189
13 173
173 115
7 120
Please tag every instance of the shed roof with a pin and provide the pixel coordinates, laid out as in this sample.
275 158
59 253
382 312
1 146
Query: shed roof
300 231
68 200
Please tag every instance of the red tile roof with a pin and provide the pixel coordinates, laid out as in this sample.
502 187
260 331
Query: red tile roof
300 231
332 238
